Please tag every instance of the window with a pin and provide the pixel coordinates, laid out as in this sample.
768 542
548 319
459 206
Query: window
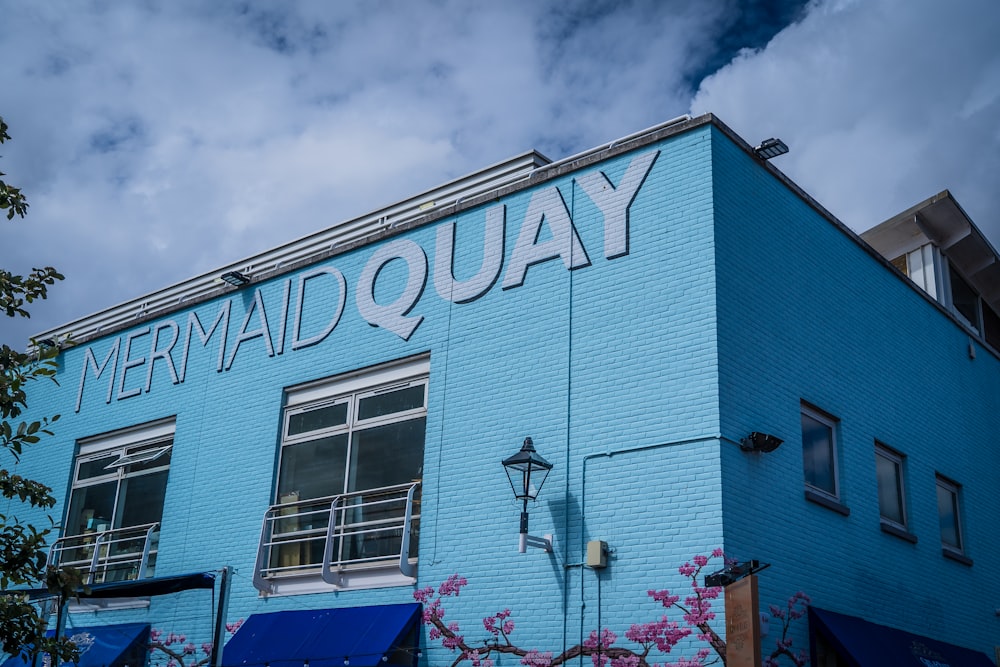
949 515
819 453
891 492
116 503
919 265
964 299
352 452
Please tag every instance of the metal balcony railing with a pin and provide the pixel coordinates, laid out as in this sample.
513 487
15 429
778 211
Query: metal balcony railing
121 554
336 533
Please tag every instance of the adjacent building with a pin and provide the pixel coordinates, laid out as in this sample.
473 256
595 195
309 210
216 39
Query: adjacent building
325 422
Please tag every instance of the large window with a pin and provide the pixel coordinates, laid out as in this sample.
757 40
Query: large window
891 492
116 502
819 452
349 473
949 515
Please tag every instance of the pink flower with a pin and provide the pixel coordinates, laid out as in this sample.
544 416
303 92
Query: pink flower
206 648
451 586
631 660
536 659
234 626
664 597
718 553
189 649
701 561
687 569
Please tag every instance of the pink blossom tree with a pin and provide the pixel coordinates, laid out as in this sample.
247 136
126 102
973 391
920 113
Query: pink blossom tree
601 646
177 651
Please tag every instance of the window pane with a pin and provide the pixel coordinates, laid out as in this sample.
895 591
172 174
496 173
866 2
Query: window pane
97 467
387 455
91 509
313 420
142 499
312 469
964 299
389 402
817 454
890 489
948 515
991 326
143 458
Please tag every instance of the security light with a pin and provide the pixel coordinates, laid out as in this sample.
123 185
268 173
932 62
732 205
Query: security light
770 148
760 442
235 278
734 572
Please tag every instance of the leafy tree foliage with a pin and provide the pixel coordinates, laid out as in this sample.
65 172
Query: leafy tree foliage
22 545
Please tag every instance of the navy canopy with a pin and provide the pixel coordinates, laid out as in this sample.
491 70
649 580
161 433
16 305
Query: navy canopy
103 646
131 588
325 637
863 644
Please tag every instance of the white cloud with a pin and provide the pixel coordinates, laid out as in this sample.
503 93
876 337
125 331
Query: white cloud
157 140
882 104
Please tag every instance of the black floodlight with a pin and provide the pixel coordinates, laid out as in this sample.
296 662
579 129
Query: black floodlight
760 442
770 148
733 573
235 278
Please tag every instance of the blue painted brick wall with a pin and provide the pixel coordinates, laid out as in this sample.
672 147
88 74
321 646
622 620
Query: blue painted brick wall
806 314
635 376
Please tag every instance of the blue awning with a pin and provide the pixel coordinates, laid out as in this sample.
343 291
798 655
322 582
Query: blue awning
103 646
324 637
863 644
132 588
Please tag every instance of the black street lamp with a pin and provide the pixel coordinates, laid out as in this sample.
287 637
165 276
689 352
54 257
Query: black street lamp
527 471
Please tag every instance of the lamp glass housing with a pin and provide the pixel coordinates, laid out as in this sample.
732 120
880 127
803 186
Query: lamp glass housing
526 471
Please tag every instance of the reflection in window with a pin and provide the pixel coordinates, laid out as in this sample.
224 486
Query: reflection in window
889 472
111 531
364 438
949 515
819 452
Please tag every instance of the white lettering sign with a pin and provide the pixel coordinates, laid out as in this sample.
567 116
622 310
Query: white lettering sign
546 233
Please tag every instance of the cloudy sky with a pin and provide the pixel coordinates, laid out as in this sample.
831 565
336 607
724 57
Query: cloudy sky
157 140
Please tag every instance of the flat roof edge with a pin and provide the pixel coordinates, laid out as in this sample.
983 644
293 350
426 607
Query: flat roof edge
498 180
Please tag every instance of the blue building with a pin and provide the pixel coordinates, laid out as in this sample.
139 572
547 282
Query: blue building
305 438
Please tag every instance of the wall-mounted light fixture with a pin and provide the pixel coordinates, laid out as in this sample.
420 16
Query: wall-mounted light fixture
527 471
770 148
235 278
760 442
734 572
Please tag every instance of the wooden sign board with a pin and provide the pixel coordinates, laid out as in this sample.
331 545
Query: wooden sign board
742 623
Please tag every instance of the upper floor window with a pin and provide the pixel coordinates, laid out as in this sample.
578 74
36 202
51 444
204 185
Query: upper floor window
949 515
116 503
819 452
891 492
347 495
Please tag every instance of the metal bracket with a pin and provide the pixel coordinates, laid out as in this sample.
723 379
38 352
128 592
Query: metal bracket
544 542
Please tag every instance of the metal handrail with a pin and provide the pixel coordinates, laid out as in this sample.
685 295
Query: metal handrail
344 525
97 554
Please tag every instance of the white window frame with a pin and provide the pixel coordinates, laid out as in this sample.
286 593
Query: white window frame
131 445
348 388
134 445
899 461
831 423
954 489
